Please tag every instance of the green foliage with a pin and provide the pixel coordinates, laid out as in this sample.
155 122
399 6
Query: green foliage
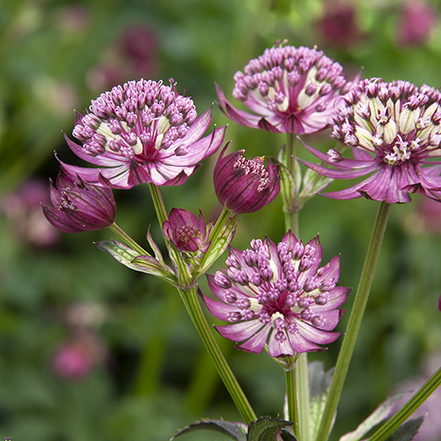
56 56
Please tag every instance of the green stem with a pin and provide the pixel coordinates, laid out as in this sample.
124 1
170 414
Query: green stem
302 385
158 202
354 323
409 408
190 300
291 395
297 384
184 276
127 239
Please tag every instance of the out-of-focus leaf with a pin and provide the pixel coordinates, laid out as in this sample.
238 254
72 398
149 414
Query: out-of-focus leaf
407 431
319 383
234 430
383 411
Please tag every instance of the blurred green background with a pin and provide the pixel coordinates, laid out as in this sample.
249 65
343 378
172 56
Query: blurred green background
92 351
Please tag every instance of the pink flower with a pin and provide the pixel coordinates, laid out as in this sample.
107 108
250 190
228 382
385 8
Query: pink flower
339 26
290 90
78 207
71 361
142 132
243 185
417 21
278 294
394 132
186 231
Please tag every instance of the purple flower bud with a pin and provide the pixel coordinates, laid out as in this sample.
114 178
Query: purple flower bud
242 185
186 231
78 206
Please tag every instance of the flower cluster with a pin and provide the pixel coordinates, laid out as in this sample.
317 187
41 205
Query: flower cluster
243 185
186 231
142 132
278 294
393 129
290 90
78 206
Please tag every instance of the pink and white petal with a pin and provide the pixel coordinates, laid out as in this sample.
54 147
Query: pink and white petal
220 310
277 348
300 344
264 124
107 159
316 335
240 331
337 297
340 173
256 343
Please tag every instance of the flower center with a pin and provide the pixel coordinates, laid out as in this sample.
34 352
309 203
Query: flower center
186 233
253 166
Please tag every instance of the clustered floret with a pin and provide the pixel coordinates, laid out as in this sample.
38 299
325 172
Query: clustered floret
278 295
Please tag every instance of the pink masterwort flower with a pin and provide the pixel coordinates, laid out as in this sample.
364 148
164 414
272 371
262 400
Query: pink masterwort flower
278 294
394 130
78 207
186 231
142 132
418 19
290 90
245 185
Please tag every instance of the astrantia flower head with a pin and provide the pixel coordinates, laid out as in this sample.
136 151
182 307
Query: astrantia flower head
78 206
245 185
186 231
279 295
142 132
394 130
290 90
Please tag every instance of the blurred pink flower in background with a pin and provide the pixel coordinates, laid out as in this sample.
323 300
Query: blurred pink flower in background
134 54
416 23
23 207
84 350
338 25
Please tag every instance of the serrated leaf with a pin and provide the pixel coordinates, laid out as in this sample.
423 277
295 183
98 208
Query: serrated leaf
266 429
319 384
236 431
383 411
407 431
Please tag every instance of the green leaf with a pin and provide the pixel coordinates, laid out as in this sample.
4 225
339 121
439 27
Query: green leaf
236 431
131 259
383 411
407 431
288 189
221 236
319 384
267 429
